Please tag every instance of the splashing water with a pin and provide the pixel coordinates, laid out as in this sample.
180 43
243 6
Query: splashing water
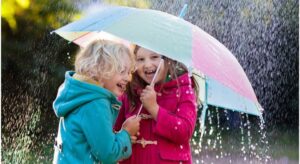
223 142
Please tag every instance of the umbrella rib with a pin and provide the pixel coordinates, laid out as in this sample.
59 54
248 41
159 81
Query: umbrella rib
85 33
79 37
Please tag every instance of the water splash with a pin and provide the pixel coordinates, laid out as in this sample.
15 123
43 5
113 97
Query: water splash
224 142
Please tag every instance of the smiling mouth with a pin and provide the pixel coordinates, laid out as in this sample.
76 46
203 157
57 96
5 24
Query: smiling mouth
150 72
122 86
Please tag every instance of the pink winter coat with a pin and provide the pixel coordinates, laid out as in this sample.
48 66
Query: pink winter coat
170 134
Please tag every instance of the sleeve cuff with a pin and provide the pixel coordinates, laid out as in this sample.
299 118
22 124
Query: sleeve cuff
126 149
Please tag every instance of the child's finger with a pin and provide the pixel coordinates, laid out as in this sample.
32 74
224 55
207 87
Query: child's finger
137 119
132 117
147 91
149 88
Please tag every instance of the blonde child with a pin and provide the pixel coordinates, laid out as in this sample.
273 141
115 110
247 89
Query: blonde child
87 106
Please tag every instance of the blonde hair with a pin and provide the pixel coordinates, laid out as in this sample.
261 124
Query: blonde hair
101 59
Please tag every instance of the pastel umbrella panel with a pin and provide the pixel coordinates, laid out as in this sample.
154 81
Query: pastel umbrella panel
222 79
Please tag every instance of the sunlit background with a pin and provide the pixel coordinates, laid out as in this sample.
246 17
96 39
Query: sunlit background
262 34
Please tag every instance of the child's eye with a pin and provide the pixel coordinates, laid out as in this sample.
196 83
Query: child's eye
140 59
126 71
155 56
122 72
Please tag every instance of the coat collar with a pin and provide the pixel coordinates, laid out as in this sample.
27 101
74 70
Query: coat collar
183 80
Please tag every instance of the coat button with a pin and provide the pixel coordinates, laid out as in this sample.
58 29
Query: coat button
125 149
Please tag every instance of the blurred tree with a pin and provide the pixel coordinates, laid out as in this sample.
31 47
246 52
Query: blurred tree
33 64
11 8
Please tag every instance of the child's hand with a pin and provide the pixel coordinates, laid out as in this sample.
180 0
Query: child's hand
148 98
132 125
133 139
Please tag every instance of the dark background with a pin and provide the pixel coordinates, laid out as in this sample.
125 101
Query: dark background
263 35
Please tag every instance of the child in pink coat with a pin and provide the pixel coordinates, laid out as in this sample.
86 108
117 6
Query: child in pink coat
168 113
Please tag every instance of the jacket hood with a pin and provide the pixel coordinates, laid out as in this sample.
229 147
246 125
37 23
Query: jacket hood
74 93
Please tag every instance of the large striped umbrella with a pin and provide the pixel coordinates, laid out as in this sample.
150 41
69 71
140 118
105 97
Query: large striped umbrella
223 82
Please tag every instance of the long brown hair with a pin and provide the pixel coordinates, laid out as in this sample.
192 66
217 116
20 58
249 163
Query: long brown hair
175 69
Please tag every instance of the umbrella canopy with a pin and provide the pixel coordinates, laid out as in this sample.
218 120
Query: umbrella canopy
223 82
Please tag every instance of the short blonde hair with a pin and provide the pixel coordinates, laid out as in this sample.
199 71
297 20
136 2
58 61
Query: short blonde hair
101 59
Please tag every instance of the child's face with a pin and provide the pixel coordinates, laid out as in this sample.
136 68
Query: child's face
147 63
117 83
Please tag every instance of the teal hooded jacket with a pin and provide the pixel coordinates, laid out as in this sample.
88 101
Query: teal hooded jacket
88 113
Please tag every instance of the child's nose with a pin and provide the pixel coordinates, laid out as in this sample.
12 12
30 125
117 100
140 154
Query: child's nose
148 63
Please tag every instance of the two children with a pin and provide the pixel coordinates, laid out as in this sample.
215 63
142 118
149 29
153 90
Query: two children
87 105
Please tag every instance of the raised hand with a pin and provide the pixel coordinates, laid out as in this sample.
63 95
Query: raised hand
148 98
132 125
